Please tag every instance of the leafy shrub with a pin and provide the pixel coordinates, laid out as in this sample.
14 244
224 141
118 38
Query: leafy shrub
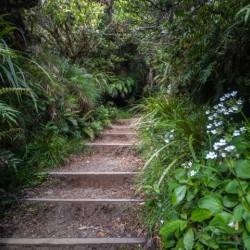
204 204
120 86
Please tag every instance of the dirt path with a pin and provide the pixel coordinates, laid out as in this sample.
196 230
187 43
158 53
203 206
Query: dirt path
87 204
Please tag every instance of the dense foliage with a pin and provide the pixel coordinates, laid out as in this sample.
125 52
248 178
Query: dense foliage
189 59
49 107
197 179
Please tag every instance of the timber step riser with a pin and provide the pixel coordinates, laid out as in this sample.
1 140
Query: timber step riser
85 201
71 243
119 136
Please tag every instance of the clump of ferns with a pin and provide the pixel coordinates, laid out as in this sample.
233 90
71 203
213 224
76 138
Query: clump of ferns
9 116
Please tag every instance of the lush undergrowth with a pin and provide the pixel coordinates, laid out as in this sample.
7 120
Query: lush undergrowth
197 178
49 108
183 56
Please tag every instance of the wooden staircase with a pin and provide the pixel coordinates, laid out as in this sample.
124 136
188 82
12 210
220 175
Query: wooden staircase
84 209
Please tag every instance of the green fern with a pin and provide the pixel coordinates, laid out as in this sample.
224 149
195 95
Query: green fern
12 90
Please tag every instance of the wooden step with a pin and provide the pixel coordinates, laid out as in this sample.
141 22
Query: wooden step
84 201
110 149
66 242
129 122
111 144
111 132
118 135
94 174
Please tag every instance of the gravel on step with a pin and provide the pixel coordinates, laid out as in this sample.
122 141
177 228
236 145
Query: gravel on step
73 221
99 163
50 191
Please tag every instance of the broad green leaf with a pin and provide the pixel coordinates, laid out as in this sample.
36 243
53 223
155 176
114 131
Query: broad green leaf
179 174
200 214
190 194
179 194
168 243
230 200
189 239
245 201
198 246
211 202
233 187
246 240
242 169
207 240
220 224
238 212
247 224
180 244
170 226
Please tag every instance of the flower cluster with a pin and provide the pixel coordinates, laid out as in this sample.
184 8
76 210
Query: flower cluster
228 105
169 136
187 165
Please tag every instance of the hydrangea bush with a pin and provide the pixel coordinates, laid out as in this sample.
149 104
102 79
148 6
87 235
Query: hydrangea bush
210 191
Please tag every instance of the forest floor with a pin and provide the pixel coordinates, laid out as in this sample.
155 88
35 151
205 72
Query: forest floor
92 196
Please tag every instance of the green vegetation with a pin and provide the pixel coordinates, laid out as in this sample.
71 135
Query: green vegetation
70 63
197 178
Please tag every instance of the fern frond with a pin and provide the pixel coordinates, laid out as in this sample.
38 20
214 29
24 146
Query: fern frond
12 90
9 132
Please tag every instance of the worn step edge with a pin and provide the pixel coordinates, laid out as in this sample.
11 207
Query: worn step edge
84 201
70 241
118 133
110 144
83 174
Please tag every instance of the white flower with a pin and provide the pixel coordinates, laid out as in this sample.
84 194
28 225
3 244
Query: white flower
219 144
166 141
223 155
222 99
211 155
192 172
209 126
172 130
171 136
210 118
217 124
223 142
187 165
161 221
239 102
207 112
214 132
230 148
231 224
234 93
243 129
236 133
237 155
